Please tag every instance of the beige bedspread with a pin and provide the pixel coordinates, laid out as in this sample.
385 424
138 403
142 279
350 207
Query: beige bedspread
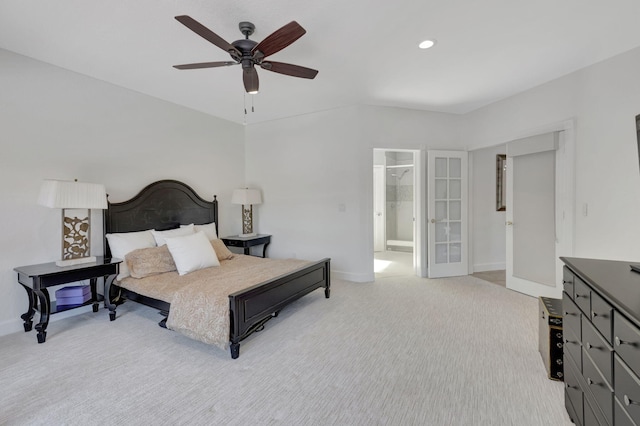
199 300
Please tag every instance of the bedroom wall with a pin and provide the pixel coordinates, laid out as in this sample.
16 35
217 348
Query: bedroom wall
603 100
62 125
315 171
488 243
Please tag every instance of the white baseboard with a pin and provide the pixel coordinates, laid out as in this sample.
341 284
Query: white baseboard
354 277
10 326
483 267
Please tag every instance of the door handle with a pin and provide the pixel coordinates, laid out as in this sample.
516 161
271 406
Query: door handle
509 223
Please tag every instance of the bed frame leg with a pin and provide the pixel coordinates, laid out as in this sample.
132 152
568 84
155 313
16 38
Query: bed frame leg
235 350
327 292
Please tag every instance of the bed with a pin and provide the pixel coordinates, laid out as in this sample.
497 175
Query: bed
168 204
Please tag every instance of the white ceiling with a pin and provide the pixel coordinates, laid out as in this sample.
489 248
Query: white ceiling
366 50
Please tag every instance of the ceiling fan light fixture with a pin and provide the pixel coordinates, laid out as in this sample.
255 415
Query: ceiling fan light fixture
253 92
427 44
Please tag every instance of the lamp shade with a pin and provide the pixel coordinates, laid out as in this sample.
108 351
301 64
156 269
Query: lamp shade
63 194
246 196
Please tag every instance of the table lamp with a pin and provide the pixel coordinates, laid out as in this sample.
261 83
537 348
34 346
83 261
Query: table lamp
247 197
76 199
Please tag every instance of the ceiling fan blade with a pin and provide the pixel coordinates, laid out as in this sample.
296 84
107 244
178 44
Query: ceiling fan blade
280 39
289 69
250 79
206 33
205 65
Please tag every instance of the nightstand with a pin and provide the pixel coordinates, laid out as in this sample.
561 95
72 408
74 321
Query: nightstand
36 278
247 242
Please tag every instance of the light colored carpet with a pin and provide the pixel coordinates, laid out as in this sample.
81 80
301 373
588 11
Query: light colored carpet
496 277
400 351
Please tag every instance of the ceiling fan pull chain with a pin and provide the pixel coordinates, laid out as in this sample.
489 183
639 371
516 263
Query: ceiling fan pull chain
252 110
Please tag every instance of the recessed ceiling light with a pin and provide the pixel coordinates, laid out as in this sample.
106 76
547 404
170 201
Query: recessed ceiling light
427 44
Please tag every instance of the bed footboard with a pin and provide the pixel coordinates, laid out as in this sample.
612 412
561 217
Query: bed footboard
249 309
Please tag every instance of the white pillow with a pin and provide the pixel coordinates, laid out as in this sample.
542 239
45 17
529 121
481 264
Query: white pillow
192 252
178 232
125 242
209 229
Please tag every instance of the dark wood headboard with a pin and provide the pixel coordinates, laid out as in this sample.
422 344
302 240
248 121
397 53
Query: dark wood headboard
165 204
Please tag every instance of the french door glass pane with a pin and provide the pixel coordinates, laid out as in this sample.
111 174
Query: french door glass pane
441 232
455 167
455 188
455 253
441 189
455 232
441 253
441 167
441 210
455 210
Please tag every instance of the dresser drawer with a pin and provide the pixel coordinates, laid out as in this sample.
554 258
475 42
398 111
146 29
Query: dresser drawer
567 281
572 349
601 316
571 316
582 296
597 349
590 418
627 389
626 341
599 388
573 394
621 415
571 330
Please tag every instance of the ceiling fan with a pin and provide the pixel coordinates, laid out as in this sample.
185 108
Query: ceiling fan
250 53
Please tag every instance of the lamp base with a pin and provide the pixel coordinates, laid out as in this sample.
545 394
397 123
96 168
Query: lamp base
251 234
77 261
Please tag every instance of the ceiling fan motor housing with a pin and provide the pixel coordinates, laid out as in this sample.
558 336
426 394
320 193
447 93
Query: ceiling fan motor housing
245 46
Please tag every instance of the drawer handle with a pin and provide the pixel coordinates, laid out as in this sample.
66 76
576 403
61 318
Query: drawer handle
620 342
594 314
572 387
590 382
588 345
628 401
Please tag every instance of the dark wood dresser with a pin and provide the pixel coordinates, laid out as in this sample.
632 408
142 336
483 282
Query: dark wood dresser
601 325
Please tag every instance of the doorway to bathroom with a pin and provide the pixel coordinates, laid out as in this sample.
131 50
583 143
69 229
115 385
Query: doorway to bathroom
394 187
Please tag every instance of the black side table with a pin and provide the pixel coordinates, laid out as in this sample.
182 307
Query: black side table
247 242
36 278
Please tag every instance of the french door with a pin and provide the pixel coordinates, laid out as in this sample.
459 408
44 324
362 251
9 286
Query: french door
447 192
